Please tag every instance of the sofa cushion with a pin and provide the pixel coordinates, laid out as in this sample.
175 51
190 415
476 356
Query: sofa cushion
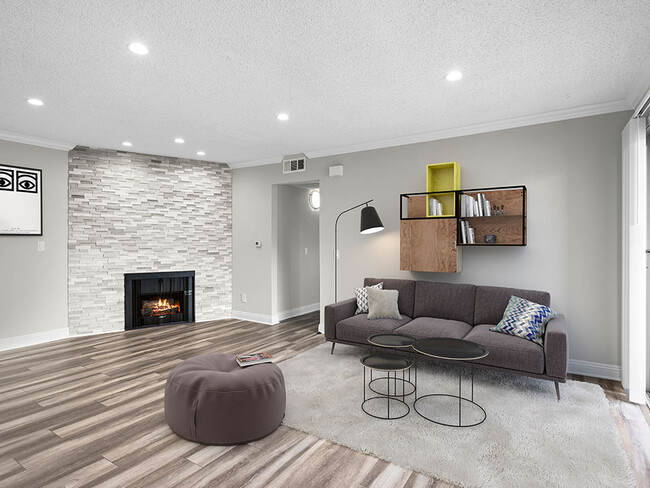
358 328
406 289
491 302
508 351
445 301
424 327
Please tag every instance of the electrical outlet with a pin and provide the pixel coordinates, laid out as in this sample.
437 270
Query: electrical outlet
243 297
41 246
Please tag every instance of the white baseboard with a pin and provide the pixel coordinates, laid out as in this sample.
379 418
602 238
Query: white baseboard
32 339
596 370
253 317
321 328
295 312
276 318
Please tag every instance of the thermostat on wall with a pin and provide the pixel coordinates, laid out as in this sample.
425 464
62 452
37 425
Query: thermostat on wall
258 243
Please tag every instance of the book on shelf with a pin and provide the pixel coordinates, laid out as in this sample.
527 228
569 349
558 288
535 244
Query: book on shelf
466 233
435 207
475 206
251 359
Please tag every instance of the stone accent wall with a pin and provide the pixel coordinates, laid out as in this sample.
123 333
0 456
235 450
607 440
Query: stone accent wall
131 213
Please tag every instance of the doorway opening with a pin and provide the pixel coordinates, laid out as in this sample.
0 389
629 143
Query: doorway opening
296 235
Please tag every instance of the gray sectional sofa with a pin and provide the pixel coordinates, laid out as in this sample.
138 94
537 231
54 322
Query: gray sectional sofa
462 311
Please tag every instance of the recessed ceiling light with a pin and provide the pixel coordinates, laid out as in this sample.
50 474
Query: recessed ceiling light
35 101
127 144
138 48
282 116
200 153
453 76
179 140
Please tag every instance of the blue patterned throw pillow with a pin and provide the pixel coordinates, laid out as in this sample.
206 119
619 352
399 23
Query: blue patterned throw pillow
526 319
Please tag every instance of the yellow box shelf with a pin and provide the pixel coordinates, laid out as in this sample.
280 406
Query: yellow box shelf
443 177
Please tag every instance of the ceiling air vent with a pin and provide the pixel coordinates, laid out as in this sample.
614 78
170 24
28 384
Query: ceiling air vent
294 164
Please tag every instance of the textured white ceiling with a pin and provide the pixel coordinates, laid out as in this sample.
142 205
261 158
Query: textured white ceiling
347 72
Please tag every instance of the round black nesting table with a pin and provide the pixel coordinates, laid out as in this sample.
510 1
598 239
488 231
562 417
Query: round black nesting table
453 350
396 342
390 364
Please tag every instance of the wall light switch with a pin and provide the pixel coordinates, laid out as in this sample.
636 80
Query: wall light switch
41 246
243 297
306 251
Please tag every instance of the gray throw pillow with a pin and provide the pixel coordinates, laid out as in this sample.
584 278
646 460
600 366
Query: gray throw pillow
382 304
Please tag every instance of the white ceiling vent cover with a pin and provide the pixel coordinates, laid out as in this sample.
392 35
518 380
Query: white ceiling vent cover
294 164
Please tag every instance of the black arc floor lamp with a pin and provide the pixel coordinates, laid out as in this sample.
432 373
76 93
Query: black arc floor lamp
370 223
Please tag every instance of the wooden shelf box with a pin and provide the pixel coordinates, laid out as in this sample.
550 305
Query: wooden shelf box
507 221
443 177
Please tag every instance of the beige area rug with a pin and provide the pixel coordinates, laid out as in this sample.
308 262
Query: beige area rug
527 440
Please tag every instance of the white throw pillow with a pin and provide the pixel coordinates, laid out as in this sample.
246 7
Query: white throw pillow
382 304
362 297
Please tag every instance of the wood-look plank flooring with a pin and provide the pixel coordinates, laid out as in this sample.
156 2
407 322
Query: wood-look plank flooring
88 411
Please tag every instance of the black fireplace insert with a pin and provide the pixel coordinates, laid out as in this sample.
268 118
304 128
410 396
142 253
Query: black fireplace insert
152 299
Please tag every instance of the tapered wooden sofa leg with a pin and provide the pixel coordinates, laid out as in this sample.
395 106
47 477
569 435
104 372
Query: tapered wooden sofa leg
334 344
557 390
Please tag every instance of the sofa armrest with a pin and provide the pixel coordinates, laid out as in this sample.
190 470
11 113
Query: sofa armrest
556 347
336 312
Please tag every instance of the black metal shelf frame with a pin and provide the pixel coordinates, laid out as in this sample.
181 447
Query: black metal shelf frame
458 218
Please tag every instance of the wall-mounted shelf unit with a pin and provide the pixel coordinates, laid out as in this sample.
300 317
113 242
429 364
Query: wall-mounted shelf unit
431 244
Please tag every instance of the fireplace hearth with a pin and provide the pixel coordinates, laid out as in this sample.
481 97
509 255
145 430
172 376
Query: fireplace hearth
153 299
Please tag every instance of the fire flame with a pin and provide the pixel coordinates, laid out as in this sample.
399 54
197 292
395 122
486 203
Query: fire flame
163 307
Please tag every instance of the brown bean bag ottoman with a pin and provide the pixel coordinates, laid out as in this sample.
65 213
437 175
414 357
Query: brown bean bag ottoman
212 400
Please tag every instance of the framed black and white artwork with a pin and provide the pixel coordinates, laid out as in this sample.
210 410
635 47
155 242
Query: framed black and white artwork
21 201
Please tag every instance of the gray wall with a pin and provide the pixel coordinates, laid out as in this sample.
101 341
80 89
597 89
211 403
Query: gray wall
571 169
33 284
133 213
297 229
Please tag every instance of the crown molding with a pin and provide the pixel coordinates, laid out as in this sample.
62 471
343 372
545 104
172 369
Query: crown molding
512 123
467 130
256 162
36 141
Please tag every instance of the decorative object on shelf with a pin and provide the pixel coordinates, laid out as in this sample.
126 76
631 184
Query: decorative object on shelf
370 223
21 201
490 238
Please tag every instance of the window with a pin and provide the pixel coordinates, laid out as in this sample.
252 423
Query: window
314 199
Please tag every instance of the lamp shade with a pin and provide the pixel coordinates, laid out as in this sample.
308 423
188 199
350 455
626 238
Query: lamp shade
370 221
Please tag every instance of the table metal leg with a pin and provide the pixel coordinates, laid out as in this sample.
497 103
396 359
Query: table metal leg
472 372
364 383
460 397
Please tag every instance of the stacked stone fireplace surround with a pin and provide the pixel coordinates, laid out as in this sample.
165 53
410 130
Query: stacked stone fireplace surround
133 213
